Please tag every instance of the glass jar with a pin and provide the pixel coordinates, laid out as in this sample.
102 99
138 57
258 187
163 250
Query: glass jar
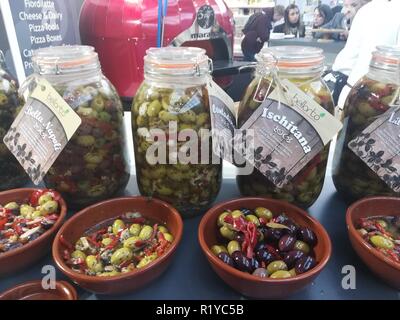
174 100
93 166
11 172
369 98
303 67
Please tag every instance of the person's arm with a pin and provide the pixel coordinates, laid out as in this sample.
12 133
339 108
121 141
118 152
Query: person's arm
263 28
346 59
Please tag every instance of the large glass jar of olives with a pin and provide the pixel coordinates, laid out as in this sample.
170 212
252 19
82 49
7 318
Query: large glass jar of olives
11 172
303 67
93 166
174 100
370 97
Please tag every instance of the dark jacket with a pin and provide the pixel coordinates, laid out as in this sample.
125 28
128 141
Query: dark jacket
299 31
337 22
260 29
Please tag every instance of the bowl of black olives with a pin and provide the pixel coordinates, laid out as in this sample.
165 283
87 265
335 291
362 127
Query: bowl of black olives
264 248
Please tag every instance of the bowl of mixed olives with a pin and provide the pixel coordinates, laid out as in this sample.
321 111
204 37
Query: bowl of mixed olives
374 230
264 248
118 245
29 220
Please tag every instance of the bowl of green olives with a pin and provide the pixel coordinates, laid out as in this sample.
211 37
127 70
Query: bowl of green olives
264 248
374 230
119 245
29 221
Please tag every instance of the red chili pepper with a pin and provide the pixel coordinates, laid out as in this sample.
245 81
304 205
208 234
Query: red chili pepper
93 242
17 228
3 223
8 234
112 244
34 199
125 264
65 243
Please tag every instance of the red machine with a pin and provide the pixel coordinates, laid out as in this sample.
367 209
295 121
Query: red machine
122 31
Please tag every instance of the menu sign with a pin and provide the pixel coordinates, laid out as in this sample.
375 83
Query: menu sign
33 24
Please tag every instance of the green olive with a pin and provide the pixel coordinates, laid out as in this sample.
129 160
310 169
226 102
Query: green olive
109 274
145 233
96 191
293 272
167 116
45 198
93 264
169 237
383 224
132 243
233 246
263 213
188 116
12 206
135 229
106 241
104 116
253 219
78 254
218 249
146 260
36 214
98 103
164 191
281 274
202 119
162 229
120 256
118 226
227 233
3 99
276 266
236 214
141 121
154 108
221 218
382 242
301 246
93 158
26 210
86 141
49 207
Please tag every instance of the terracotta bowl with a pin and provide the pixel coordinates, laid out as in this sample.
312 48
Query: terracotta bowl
34 291
18 259
378 263
245 283
154 210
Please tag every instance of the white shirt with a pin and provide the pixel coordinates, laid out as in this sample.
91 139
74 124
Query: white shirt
376 23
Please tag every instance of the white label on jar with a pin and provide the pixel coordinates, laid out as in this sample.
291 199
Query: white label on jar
288 131
378 146
41 130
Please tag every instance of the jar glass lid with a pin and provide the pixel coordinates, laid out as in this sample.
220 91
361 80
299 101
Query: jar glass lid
293 59
386 58
65 59
177 61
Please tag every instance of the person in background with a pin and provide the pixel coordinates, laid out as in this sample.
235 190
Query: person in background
342 20
335 7
293 24
352 62
279 10
322 15
256 32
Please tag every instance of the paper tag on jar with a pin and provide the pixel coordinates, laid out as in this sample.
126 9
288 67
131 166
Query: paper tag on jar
223 121
287 135
378 146
41 130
